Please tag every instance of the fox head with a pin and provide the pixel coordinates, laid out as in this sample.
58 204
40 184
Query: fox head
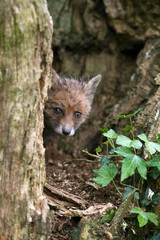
69 104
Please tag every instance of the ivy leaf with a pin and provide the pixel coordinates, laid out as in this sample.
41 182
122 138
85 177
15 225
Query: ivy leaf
127 128
124 152
110 134
154 162
105 174
136 196
143 217
152 147
103 130
154 173
141 166
152 217
145 202
123 141
136 144
155 199
130 164
142 220
108 217
128 190
143 137
104 160
127 142
98 149
155 236
137 210
128 168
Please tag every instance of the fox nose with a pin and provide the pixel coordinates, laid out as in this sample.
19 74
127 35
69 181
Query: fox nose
66 131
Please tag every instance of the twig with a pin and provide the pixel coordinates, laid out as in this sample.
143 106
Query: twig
63 195
90 154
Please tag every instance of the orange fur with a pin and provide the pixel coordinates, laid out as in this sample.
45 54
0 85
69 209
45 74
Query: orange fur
69 104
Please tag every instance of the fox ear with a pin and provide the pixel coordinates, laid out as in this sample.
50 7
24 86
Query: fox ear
56 82
92 85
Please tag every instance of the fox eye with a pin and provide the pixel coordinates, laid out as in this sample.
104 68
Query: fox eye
57 110
77 114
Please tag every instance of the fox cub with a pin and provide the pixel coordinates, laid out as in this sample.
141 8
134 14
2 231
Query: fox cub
69 104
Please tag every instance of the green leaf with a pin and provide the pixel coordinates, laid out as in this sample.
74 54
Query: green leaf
128 190
108 217
152 147
143 217
145 202
154 173
136 196
124 152
141 166
105 174
130 164
152 217
155 199
137 210
143 137
155 145
127 128
104 160
142 220
155 236
154 162
110 134
98 149
135 144
123 141
128 168
103 130
127 142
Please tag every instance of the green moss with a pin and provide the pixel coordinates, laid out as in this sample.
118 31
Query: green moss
16 28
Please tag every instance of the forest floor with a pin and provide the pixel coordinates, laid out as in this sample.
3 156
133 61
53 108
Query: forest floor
75 177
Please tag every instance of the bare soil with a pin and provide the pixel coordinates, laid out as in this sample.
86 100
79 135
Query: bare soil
75 176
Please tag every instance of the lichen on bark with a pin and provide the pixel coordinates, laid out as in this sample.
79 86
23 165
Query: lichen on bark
115 38
25 58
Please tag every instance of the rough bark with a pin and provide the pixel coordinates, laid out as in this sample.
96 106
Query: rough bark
120 40
25 63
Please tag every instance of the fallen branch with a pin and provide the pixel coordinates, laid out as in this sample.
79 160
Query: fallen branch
97 209
117 220
67 204
61 195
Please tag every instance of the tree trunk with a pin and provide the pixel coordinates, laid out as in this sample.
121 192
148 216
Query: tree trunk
25 63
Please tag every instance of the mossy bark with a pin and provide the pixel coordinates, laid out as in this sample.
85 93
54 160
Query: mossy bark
120 40
25 64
